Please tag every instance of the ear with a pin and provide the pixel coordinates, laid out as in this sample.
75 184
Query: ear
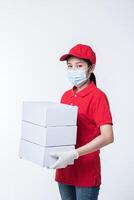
91 68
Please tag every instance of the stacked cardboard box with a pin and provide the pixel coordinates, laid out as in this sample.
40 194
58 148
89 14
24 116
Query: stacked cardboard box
47 127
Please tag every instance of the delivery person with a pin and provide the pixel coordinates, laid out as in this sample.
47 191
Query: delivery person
82 180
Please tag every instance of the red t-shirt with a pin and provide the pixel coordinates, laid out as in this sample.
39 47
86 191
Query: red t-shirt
93 111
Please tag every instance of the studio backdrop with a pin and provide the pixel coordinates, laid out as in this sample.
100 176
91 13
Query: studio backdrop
34 34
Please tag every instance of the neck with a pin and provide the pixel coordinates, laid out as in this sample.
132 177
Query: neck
78 89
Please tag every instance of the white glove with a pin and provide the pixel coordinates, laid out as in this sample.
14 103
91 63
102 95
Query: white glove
64 158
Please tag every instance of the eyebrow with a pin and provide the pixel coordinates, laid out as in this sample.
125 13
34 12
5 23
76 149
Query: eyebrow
76 62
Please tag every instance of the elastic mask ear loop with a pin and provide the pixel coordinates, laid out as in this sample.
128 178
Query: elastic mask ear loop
88 71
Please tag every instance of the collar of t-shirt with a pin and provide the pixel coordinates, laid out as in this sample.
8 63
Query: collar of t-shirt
90 87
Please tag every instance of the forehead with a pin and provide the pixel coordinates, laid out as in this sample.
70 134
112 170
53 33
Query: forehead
73 59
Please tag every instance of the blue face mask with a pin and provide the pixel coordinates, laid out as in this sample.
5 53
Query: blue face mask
77 77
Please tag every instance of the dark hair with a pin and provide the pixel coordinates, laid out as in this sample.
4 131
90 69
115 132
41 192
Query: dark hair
89 63
92 76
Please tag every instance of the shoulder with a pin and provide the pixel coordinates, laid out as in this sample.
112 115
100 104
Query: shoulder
99 92
99 95
66 94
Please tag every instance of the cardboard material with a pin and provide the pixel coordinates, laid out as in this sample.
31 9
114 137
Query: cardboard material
49 136
49 114
38 154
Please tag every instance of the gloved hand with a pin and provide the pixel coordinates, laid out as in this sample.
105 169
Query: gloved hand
64 158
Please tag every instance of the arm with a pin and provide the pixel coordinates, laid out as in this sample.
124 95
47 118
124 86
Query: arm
66 158
106 137
101 115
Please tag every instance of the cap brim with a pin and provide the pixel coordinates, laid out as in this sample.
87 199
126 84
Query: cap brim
64 57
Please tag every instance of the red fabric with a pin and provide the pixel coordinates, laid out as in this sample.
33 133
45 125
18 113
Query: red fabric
81 51
93 111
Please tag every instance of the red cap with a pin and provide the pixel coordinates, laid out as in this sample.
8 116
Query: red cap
81 51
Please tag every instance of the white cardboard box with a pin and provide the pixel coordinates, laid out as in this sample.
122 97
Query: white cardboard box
49 136
38 154
49 113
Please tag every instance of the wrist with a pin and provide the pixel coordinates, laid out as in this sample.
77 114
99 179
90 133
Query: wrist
77 153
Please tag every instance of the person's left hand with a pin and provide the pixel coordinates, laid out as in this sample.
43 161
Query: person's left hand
64 158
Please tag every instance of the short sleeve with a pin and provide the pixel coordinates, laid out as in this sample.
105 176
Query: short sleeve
101 111
63 98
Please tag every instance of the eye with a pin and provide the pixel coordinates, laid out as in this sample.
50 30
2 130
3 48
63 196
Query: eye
69 66
79 66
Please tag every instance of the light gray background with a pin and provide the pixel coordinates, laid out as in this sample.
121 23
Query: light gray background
34 34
